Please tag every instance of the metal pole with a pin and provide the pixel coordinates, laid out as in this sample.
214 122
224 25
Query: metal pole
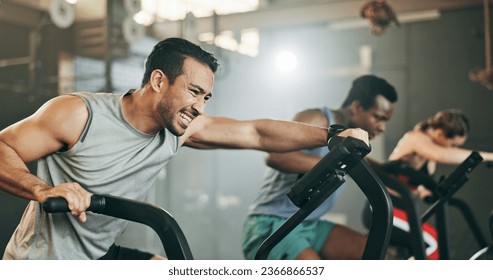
108 57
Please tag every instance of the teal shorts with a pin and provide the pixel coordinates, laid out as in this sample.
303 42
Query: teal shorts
307 234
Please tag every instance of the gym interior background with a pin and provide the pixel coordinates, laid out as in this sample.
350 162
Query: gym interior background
48 49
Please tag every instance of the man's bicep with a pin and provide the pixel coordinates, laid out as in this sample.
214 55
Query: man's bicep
219 132
56 125
29 140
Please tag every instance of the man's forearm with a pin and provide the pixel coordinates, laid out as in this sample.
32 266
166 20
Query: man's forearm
286 136
15 177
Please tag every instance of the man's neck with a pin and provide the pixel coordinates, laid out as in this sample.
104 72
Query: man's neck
341 116
135 109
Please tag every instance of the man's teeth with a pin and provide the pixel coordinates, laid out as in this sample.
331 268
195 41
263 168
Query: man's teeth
185 117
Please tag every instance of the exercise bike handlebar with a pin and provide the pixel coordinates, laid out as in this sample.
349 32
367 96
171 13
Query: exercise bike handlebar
450 185
416 177
308 192
60 205
344 154
174 242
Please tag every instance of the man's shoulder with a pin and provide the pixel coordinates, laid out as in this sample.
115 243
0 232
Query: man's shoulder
312 111
111 101
96 95
314 116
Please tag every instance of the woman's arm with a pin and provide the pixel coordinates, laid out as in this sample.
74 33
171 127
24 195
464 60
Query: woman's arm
419 143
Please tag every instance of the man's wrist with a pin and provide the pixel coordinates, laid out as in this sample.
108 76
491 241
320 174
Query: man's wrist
333 130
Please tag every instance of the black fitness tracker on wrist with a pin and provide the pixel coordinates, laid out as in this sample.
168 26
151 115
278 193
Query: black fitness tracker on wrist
334 129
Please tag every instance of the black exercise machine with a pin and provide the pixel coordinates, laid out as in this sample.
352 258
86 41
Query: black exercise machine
325 178
174 242
416 243
345 157
441 199
486 253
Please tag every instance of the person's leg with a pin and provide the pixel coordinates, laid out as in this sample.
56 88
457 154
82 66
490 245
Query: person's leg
256 229
308 254
343 243
315 233
301 243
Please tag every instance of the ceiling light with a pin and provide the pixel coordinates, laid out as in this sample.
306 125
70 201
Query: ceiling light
177 9
286 61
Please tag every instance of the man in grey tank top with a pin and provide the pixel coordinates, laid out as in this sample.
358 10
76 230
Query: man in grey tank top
115 144
369 105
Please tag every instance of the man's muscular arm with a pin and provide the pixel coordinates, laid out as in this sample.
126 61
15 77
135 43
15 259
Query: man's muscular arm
57 124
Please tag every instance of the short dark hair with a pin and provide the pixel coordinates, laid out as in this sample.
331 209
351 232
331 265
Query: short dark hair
169 55
453 122
366 88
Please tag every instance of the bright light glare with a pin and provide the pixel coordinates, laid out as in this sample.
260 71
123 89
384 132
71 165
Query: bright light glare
144 18
226 40
177 9
286 61
248 44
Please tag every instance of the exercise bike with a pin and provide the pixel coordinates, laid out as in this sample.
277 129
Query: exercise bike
345 157
310 190
174 242
442 198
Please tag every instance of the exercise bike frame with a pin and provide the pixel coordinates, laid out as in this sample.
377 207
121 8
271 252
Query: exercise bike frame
443 192
174 242
345 157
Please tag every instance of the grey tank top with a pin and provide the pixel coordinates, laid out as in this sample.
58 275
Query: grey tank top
111 157
272 198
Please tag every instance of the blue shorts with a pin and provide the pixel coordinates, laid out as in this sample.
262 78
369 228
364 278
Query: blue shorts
307 234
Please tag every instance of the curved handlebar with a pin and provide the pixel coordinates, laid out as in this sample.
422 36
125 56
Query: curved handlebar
174 242
60 205
345 152
358 147
416 177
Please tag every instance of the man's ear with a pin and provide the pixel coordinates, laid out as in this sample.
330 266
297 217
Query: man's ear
158 80
356 107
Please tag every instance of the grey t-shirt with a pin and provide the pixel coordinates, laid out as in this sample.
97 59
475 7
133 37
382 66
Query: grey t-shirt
111 157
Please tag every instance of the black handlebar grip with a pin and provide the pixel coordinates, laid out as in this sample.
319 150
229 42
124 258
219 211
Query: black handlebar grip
55 205
60 205
355 145
333 141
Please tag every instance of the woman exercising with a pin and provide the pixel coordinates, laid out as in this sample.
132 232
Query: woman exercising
431 142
